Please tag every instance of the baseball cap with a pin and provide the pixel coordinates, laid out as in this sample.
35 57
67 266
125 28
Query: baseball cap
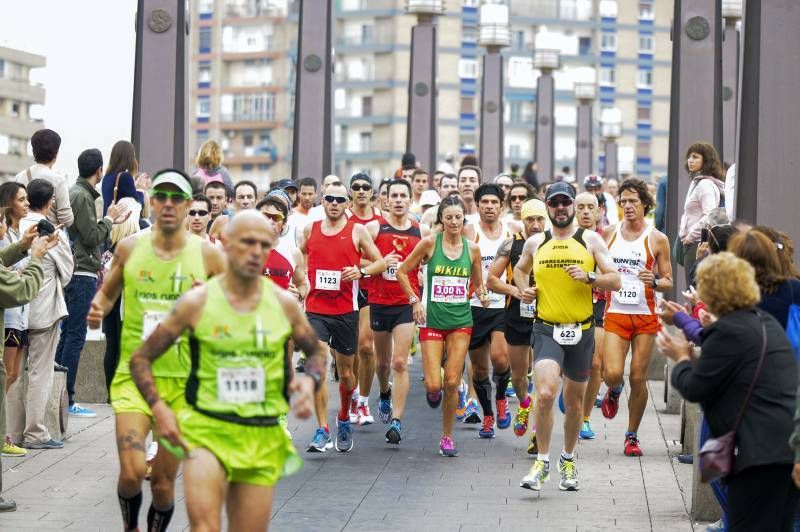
592 181
286 183
430 197
173 177
361 176
560 189
283 196
533 207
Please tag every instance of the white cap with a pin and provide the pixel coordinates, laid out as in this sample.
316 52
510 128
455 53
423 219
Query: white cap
430 197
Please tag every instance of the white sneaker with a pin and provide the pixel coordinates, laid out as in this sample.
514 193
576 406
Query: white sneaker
354 407
364 417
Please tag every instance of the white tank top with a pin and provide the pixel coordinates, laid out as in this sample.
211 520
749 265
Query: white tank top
286 244
630 258
488 248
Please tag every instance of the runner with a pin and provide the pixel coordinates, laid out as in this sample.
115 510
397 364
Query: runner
588 213
151 270
199 216
237 326
447 317
390 310
362 212
469 179
563 263
447 186
284 264
518 316
244 197
420 182
488 342
518 194
642 255
217 194
333 249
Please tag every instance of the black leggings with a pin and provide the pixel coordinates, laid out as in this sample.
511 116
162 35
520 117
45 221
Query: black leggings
112 328
762 498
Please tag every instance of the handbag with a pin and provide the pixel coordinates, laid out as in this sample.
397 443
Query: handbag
716 455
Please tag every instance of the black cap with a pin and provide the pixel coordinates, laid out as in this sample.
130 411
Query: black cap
409 160
560 188
286 183
360 176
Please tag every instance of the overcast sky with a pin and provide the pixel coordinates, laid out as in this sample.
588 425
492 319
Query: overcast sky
89 46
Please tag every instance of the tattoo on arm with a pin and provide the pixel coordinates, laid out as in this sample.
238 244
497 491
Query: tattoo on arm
505 248
141 363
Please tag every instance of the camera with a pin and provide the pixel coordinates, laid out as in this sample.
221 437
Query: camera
704 234
45 228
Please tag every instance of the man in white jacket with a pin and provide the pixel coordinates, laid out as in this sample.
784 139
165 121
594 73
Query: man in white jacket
26 411
45 144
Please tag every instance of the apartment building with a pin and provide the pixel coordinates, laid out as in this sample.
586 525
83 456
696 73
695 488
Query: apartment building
244 53
20 108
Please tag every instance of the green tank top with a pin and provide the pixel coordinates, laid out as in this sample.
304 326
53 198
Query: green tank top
239 371
151 287
447 288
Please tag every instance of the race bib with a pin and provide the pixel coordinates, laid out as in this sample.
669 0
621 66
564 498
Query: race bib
150 321
240 385
527 310
567 334
630 293
449 289
391 272
328 280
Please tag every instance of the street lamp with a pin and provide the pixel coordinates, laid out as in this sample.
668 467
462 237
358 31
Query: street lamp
421 117
494 34
732 9
611 130
546 58
585 93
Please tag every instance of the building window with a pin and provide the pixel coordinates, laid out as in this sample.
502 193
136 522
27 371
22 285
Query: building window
514 151
646 11
2 68
203 106
469 34
366 33
568 9
366 141
366 106
646 44
584 45
202 136
204 74
608 42
16 108
644 79
518 40
468 68
520 73
205 40
643 114
515 111
247 139
467 105
643 148
608 76
205 6
469 3
607 8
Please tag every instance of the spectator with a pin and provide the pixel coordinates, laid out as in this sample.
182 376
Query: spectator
661 205
705 191
26 411
761 494
89 237
17 289
209 165
119 187
567 175
45 144
785 247
529 174
514 171
778 291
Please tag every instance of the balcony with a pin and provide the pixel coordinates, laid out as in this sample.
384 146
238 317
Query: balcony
245 9
382 40
21 90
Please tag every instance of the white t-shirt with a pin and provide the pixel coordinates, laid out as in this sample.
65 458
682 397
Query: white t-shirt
296 223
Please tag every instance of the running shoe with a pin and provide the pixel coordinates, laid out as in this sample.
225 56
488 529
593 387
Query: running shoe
487 430
78 411
461 406
393 434
586 432
561 405
344 436
510 390
632 445
472 417
569 474
533 445
434 399
447 447
321 442
537 476
610 404
9 449
364 417
354 407
503 415
521 420
598 400
385 410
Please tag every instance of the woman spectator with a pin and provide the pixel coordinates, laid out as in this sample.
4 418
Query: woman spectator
778 291
761 494
209 165
785 247
705 191
14 202
119 186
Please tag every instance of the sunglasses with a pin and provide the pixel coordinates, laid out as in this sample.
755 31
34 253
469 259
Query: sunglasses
198 213
555 203
176 197
274 216
335 199
365 187
517 198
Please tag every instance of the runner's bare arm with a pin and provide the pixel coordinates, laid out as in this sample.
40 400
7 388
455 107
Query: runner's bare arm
369 250
301 244
608 232
476 273
522 271
299 276
660 246
218 226
468 232
213 260
422 252
499 266
112 286
609 276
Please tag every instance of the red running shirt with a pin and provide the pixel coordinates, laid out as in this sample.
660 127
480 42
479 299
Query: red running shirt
384 289
364 284
279 269
327 256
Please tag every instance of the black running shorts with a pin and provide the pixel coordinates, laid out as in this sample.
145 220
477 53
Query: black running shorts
339 331
384 318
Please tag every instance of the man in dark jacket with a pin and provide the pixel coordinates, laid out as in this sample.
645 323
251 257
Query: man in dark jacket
88 235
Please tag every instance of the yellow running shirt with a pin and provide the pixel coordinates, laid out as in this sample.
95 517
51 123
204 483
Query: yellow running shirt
560 299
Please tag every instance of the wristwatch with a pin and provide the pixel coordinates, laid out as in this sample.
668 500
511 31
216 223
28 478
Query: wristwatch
412 300
591 277
655 281
363 273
